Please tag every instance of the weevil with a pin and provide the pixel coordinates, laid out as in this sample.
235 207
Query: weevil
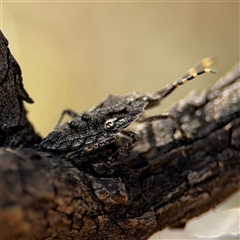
101 125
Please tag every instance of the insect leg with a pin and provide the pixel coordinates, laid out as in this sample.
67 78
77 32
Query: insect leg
134 138
163 116
66 112
93 147
153 118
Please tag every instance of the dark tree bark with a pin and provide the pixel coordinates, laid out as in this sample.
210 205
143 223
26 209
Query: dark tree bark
165 180
15 130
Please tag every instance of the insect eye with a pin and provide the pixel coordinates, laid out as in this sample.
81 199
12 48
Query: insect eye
110 123
73 123
85 117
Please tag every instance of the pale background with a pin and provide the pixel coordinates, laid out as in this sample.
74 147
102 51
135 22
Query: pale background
73 54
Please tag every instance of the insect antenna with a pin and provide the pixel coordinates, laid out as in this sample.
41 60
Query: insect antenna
199 69
204 63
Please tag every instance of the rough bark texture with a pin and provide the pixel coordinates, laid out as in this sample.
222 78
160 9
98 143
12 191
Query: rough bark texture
15 130
164 181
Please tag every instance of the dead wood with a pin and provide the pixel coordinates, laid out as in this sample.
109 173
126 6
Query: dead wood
165 180
15 129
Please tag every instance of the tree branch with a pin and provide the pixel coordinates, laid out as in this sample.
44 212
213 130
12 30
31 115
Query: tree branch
15 130
165 180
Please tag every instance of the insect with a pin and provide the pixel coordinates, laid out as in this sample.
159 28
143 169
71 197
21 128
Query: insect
100 126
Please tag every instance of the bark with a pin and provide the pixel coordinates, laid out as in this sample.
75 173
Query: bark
167 178
15 130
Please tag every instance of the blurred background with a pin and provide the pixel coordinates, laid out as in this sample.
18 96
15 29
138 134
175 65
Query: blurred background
73 54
